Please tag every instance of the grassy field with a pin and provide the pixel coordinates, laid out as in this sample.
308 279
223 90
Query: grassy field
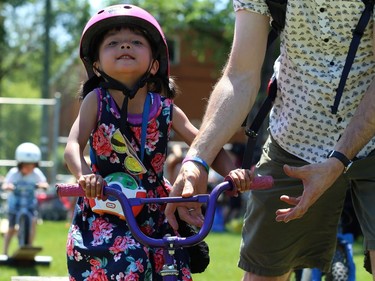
223 251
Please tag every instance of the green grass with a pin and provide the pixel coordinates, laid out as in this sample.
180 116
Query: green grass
224 248
52 237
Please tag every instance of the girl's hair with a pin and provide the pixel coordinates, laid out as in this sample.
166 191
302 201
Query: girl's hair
155 83
20 165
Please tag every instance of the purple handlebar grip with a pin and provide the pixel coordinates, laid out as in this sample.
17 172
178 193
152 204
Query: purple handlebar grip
69 189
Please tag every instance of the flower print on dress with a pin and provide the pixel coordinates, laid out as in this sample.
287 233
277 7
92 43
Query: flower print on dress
160 191
128 277
123 244
148 227
166 111
186 275
152 206
111 105
114 158
153 135
98 272
134 265
70 241
158 259
158 162
77 256
101 230
101 141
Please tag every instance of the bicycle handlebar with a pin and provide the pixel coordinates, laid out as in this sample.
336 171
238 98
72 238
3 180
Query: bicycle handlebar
127 203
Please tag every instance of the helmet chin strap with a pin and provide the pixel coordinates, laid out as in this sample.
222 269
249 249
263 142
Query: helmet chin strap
111 83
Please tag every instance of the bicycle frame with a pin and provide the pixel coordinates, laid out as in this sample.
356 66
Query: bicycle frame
24 217
168 242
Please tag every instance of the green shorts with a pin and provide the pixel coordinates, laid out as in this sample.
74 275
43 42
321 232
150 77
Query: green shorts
270 248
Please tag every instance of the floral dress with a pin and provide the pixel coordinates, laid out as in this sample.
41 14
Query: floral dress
101 247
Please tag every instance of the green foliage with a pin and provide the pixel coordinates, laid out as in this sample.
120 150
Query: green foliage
211 23
18 123
22 70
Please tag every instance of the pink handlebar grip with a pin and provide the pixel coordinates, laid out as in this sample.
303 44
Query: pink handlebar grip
258 183
69 189
263 182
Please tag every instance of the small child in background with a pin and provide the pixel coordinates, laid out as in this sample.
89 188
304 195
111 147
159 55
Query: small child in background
26 177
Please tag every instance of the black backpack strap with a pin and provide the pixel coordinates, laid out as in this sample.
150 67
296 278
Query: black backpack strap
357 35
277 10
252 130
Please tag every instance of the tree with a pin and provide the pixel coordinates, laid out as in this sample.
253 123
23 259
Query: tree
22 37
210 22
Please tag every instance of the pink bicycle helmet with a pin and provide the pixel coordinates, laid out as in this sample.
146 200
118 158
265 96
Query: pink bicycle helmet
118 15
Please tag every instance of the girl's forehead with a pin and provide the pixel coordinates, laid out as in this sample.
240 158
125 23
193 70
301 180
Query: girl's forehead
119 29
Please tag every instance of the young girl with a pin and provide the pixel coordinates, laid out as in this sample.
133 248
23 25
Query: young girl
126 115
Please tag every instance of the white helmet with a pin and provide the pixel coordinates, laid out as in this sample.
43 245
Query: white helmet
28 152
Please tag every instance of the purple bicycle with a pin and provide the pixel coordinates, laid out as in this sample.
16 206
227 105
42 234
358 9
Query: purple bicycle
168 242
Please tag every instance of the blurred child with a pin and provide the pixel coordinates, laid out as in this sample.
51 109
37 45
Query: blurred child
27 176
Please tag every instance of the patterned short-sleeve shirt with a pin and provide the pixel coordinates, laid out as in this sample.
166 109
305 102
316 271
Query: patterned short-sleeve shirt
313 50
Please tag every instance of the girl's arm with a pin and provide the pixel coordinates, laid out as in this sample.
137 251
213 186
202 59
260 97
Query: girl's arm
77 141
79 136
222 164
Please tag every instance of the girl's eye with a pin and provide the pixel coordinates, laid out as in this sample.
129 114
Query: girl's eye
137 42
112 43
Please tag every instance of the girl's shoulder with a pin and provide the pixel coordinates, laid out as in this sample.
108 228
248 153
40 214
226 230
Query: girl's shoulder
91 98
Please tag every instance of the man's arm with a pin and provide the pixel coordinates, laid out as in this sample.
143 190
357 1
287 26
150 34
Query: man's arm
235 92
229 103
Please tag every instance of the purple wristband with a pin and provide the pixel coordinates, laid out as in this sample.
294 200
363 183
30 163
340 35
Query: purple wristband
197 160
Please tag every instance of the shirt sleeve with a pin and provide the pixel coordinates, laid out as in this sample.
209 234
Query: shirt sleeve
41 177
257 6
9 176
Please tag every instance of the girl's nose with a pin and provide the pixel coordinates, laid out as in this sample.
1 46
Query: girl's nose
125 46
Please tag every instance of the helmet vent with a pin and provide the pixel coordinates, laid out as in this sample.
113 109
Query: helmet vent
127 7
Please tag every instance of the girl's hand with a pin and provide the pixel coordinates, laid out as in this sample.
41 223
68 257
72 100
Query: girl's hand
241 179
8 186
92 184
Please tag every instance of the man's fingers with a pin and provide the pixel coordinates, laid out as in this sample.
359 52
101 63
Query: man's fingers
192 215
290 200
295 172
170 216
188 189
286 215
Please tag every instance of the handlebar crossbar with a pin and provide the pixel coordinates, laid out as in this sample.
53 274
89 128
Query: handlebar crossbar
167 241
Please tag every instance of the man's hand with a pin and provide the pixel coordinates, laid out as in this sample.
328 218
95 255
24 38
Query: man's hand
191 180
316 179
